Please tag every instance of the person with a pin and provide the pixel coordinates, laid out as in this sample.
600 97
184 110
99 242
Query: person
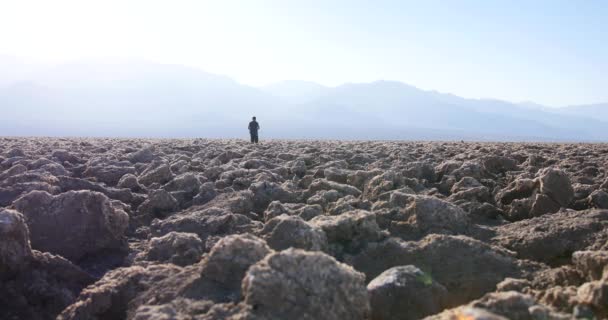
254 126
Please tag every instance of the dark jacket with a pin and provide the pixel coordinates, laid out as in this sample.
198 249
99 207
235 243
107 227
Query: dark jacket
254 126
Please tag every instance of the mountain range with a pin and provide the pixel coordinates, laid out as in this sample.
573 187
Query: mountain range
141 99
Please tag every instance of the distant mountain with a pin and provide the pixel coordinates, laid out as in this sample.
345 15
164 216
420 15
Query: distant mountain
135 98
124 98
295 91
597 111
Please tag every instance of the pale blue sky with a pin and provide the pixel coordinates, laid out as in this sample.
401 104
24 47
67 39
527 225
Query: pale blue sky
550 52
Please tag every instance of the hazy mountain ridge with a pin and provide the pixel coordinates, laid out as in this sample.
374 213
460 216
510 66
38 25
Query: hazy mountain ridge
135 98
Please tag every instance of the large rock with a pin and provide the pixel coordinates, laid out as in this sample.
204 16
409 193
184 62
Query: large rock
226 266
109 297
73 224
296 284
414 216
349 231
129 181
501 306
598 199
216 278
175 247
156 174
42 288
209 224
405 292
15 250
144 155
499 164
108 174
553 238
160 203
285 232
592 264
266 192
468 268
556 184
594 294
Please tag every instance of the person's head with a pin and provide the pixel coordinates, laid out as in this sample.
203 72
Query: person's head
253 118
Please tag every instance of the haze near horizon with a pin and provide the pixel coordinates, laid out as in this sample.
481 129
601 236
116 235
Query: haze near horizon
398 69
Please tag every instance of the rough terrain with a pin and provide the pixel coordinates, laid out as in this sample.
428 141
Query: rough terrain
222 229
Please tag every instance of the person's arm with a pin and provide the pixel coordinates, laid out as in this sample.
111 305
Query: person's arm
258 126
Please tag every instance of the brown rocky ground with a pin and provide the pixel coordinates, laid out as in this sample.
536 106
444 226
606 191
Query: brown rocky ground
221 229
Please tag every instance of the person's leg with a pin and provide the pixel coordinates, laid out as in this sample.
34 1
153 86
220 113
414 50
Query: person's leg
256 138
252 137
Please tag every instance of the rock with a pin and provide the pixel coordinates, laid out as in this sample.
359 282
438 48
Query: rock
129 181
124 195
15 250
499 164
556 184
592 264
359 178
543 204
15 152
595 295
160 174
14 170
109 297
298 168
468 268
73 224
175 247
464 184
509 303
468 313
108 174
598 199
159 204
336 175
266 192
470 168
552 238
285 232
227 263
208 224
55 169
239 202
295 284
144 155
64 155
42 288
405 292
342 189
180 308
420 170
423 215
389 180
521 188
187 182
216 278
206 193
349 231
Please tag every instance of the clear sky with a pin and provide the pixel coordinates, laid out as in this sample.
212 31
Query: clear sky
551 52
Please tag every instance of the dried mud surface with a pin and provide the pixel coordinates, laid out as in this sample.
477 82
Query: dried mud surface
222 229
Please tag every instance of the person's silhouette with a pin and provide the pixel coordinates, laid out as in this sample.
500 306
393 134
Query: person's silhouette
254 126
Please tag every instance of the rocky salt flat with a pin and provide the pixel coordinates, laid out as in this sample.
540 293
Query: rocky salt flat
221 229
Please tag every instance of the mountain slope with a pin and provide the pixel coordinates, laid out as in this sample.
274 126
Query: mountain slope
135 98
295 91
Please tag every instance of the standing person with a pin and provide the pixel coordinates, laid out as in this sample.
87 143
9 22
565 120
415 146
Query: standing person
254 126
